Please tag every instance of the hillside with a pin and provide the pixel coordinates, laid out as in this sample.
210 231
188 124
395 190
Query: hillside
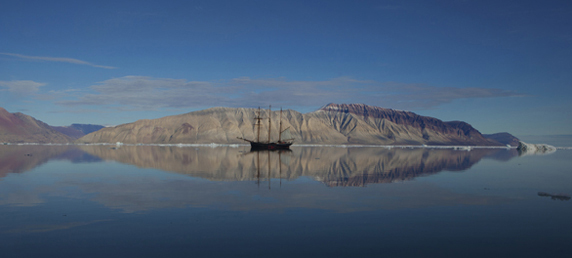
18 128
332 124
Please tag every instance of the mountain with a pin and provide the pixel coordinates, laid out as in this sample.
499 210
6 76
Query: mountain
365 124
77 131
504 138
17 127
331 124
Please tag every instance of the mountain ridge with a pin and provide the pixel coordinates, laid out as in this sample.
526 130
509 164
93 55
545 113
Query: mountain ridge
18 127
347 124
77 131
331 124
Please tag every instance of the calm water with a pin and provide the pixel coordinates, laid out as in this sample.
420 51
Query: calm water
150 201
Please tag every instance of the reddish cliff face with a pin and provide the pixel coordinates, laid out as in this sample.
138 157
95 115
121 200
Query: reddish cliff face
9 122
17 127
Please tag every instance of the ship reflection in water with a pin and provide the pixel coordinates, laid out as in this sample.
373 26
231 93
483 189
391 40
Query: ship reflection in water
268 153
127 201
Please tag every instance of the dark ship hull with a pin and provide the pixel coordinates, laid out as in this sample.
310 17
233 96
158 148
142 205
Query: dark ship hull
278 145
270 146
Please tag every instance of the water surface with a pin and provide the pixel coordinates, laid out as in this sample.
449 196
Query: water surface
168 201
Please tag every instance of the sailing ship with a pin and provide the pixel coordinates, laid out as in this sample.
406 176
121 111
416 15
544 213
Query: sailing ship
281 144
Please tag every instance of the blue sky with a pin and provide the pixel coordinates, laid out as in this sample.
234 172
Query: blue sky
498 65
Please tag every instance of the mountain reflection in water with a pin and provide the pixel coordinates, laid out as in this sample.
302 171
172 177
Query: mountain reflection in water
139 201
333 166
21 158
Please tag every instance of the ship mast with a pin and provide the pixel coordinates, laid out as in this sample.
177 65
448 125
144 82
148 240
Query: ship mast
280 129
269 122
258 118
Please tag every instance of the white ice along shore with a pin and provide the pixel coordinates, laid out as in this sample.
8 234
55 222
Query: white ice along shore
534 149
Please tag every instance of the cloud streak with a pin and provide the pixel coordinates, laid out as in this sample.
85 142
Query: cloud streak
21 87
58 59
147 93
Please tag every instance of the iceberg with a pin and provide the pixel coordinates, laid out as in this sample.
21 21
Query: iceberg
534 149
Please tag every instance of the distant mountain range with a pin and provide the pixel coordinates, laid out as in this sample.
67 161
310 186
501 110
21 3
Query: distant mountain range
331 124
77 131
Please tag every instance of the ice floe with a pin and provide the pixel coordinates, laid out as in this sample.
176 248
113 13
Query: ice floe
534 149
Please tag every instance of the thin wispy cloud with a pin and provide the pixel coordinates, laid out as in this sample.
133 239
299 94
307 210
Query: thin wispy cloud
21 87
58 59
147 93
420 96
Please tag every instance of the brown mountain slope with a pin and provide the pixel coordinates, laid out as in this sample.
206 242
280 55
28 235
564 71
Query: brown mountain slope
364 124
17 128
332 124
504 138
